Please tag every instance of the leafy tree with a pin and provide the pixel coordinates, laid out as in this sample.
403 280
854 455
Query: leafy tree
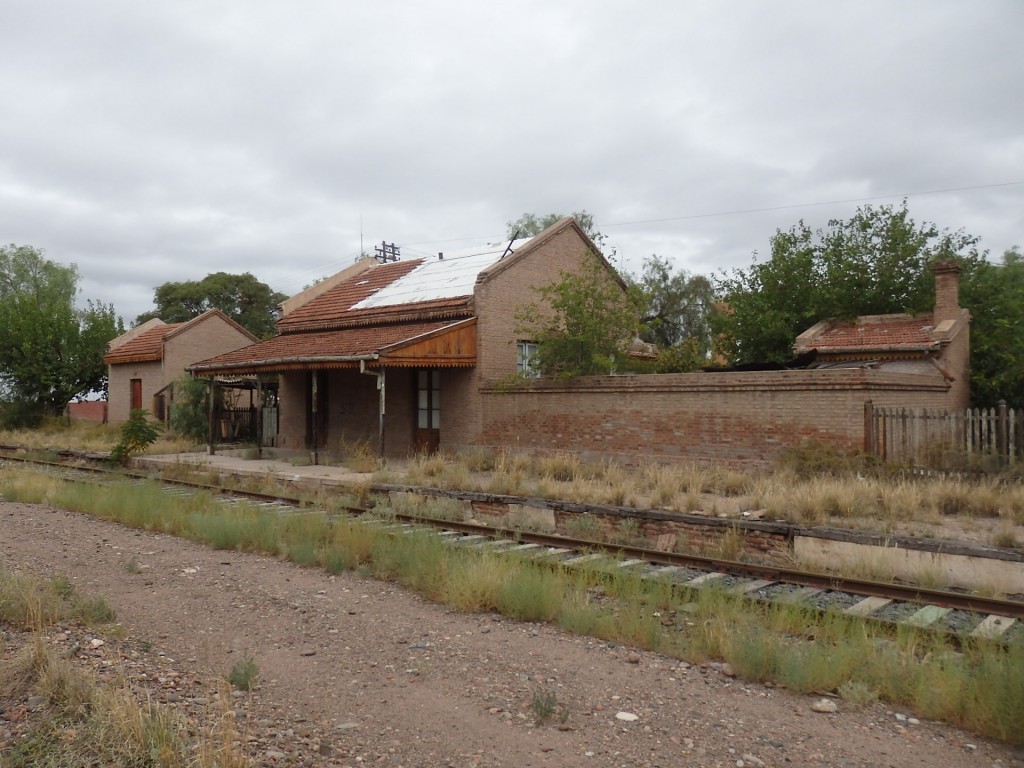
675 311
50 350
190 411
529 224
592 318
994 294
874 263
243 298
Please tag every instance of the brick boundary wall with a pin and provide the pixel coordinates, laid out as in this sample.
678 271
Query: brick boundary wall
733 418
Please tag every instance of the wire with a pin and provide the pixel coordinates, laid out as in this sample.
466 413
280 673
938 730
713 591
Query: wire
810 205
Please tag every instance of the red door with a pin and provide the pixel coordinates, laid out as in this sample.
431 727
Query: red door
136 394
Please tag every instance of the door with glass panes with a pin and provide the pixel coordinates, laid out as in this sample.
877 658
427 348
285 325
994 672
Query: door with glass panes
428 410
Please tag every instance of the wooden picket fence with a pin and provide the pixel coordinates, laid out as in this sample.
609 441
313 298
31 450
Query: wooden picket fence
975 439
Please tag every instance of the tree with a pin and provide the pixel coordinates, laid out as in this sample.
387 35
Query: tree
877 262
994 294
529 224
675 311
50 350
582 323
243 298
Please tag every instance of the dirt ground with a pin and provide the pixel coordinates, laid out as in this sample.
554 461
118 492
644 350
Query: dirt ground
355 671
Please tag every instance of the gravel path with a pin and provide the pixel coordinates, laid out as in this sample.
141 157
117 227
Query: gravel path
359 672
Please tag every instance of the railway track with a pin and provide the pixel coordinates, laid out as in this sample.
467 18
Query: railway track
955 613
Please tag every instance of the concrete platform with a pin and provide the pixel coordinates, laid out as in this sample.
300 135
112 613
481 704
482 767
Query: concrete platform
231 462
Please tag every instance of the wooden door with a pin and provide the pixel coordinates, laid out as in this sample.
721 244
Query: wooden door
136 394
428 410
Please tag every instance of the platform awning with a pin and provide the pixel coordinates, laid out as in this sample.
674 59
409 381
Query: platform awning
416 345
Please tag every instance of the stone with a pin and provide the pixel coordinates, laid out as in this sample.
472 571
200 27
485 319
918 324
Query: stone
628 717
633 658
727 670
824 705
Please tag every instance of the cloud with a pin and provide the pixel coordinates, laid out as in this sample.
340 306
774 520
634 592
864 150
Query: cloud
156 142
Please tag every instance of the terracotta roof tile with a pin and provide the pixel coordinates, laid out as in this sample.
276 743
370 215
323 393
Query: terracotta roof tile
335 304
288 350
881 332
148 346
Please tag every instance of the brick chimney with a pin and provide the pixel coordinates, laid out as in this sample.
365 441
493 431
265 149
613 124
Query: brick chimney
947 290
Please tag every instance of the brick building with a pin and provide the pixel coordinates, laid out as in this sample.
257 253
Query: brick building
143 363
933 343
396 355
423 355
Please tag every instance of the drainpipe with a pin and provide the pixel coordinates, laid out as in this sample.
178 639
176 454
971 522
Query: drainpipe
380 388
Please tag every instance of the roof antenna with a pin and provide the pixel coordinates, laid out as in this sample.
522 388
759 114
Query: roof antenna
508 250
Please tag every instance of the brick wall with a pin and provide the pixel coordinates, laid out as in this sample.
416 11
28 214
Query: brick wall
89 410
208 338
732 418
119 392
293 399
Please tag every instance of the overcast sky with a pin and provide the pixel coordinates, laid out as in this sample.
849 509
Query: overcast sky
149 142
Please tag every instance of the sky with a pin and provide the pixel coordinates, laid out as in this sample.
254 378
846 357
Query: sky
150 142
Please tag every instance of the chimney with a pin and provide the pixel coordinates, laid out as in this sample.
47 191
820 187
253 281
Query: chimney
947 290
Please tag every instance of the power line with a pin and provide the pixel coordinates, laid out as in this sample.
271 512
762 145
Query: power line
809 205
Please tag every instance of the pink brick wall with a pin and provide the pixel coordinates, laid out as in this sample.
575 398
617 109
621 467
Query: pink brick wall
90 410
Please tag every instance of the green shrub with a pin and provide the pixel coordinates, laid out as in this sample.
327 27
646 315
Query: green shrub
137 434
244 674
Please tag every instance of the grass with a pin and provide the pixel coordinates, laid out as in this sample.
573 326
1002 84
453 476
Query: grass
88 722
243 674
976 685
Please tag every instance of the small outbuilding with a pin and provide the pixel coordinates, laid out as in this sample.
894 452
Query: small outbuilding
144 363
933 343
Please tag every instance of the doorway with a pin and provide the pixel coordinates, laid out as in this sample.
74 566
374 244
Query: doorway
428 410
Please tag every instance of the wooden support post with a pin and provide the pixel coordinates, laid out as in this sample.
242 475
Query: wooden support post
211 389
259 417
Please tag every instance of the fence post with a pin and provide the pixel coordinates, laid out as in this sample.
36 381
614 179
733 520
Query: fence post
869 427
1002 434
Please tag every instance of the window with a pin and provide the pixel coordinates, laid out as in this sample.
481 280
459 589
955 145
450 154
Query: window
526 362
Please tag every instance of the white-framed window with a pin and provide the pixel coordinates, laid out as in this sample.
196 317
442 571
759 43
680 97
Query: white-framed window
526 363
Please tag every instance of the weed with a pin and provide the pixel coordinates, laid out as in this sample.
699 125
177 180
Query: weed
132 566
628 532
1006 537
732 543
137 434
857 694
584 526
95 611
243 674
543 705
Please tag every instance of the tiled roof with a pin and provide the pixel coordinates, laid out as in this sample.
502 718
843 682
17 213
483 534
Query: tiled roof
336 303
882 333
145 347
298 349
404 291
